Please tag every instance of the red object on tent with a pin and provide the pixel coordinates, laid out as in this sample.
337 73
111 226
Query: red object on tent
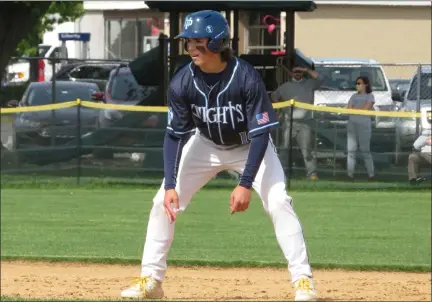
278 52
270 26
154 30
154 24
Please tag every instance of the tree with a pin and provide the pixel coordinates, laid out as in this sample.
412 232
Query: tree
58 12
22 24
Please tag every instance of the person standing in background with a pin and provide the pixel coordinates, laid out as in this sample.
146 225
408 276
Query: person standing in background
359 128
421 156
301 89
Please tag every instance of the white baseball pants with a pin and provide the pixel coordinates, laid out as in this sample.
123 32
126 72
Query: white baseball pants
201 160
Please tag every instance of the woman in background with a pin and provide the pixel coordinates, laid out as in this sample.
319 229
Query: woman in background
359 128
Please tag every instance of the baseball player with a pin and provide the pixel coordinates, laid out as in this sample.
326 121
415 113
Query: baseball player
219 118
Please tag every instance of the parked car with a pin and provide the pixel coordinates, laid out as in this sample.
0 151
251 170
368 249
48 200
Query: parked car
60 125
399 85
406 128
91 72
18 72
123 89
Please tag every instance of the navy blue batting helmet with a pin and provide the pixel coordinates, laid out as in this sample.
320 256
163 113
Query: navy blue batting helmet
207 24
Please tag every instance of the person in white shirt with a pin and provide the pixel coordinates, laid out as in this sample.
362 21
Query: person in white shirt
421 156
302 88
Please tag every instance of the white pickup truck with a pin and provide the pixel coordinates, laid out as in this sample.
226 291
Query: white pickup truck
339 85
339 76
19 71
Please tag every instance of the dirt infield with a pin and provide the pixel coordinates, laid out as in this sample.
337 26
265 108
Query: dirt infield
97 281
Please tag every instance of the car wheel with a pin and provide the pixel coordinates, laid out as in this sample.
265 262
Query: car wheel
103 153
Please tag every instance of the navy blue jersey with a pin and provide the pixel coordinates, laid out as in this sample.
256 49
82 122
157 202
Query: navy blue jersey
229 111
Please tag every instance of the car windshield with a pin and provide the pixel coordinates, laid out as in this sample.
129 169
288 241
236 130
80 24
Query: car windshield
425 87
124 87
43 95
42 50
344 77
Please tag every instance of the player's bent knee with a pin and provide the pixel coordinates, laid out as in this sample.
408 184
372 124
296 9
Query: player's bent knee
282 203
277 200
158 204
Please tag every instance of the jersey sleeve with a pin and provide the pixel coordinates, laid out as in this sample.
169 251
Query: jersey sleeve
180 122
259 110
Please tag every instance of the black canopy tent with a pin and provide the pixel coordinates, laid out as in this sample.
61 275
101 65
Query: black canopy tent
290 7
163 63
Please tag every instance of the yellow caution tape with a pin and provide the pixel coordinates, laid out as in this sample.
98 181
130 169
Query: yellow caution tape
279 105
124 107
356 111
38 108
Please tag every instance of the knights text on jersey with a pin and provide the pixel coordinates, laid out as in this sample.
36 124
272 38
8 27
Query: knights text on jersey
231 111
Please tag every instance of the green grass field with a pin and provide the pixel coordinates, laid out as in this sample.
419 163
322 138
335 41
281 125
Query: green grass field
359 230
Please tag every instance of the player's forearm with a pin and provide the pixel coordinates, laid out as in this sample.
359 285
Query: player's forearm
172 151
257 149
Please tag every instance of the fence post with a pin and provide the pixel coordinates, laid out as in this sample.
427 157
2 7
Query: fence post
335 135
54 94
163 45
78 134
290 149
418 99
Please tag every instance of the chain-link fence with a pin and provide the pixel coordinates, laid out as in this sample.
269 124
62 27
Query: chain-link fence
80 142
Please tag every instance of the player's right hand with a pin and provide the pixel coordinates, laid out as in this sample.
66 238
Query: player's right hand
171 197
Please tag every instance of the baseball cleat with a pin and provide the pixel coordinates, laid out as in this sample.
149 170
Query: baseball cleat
305 290
144 287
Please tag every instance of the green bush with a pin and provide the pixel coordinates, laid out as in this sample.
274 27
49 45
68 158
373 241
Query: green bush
11 92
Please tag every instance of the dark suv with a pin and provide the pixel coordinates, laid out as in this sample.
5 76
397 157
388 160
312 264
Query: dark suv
129 129
92 72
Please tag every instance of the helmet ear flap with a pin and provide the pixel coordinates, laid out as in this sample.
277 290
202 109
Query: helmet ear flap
218 45
213 45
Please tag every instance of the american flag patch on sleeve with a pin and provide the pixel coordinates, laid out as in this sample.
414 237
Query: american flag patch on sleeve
262 118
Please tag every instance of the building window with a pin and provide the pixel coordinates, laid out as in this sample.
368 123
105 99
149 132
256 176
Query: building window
150 28
129 37
259 40
113 47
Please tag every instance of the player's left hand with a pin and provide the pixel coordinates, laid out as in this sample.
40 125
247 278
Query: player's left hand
240 199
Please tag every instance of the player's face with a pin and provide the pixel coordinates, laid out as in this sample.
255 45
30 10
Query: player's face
200 54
